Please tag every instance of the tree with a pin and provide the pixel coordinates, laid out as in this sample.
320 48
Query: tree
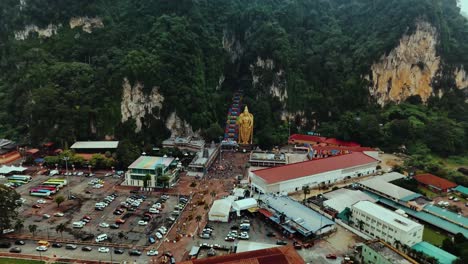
198 219
448 245
19 225
121 235
8 206
164 180
33 229
59 199
146 180
60 228
306 191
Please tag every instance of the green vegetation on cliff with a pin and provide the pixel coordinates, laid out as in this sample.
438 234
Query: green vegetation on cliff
69 86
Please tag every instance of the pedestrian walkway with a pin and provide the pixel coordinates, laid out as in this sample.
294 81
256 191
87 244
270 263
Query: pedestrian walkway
231 132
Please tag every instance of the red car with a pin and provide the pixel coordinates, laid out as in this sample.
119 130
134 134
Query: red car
87 217
331 256
119 221
36 206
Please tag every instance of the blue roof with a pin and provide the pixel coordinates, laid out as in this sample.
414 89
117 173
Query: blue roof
446 214
462 189
410 197
308 219
426 217
441 255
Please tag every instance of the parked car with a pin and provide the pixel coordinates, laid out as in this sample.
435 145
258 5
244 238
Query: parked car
41 248
120 221
86 249
103 250
15 250
158 235
5 244
118 251
205 235
331 256
152 252
281 242
19 242
104 225
151 240
36 206
114 226
57 245
134 252
71 246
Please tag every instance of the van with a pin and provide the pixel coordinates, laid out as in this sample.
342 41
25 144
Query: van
101 238
43 243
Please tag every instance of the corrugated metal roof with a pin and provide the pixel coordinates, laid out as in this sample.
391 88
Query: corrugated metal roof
435 181
150 162
95 145
389 189
309 168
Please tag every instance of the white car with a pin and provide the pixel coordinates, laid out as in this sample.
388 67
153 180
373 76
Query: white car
58 214
142 223
103 250
98 186
158 235
41 201
42 248
154 211
104 225
152 252
156 205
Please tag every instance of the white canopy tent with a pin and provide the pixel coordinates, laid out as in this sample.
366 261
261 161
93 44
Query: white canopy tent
8 169
220 211
244 204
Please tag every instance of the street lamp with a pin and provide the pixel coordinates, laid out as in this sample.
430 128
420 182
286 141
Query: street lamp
89 167
220 149
66 173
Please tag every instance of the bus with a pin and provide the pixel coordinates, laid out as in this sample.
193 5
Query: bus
52 189
40 192
17 182
21 177
56 184
58 180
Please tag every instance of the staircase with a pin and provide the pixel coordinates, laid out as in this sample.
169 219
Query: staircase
231 132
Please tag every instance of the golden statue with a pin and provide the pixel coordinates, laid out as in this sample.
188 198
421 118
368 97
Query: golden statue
245 122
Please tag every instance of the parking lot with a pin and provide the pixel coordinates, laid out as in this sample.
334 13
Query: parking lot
137 224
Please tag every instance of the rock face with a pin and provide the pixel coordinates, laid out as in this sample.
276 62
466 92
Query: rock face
47 32
179 127
232 46
461 78
136 104
264 75
408 69
86 23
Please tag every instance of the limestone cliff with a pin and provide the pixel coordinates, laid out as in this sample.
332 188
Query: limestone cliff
265 75
408 69
461 78
179 127
232 45
87 24
136 104
46 32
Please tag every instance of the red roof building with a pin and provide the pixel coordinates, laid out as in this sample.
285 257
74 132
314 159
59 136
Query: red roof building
305 139
276 255
292 177
327 151
434 182
315 140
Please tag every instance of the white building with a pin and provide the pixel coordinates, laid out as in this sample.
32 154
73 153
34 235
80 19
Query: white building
219 211
379 222
292 177
156 167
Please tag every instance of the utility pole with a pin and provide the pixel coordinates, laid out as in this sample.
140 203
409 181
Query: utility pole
66 172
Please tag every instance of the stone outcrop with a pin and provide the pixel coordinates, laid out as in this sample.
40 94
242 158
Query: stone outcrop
136 104
232 46
461 78
87 24
265 76
408 69
179 127
47 32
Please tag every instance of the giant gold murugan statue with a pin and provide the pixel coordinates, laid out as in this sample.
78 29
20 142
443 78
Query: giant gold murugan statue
245 122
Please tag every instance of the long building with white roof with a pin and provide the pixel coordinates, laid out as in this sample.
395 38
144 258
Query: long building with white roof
379 222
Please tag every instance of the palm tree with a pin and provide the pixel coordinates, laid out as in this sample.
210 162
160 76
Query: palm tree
198 219
306 190
60 228
360 224
19 224
121 235
213 194
33 229
146 180
164 180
